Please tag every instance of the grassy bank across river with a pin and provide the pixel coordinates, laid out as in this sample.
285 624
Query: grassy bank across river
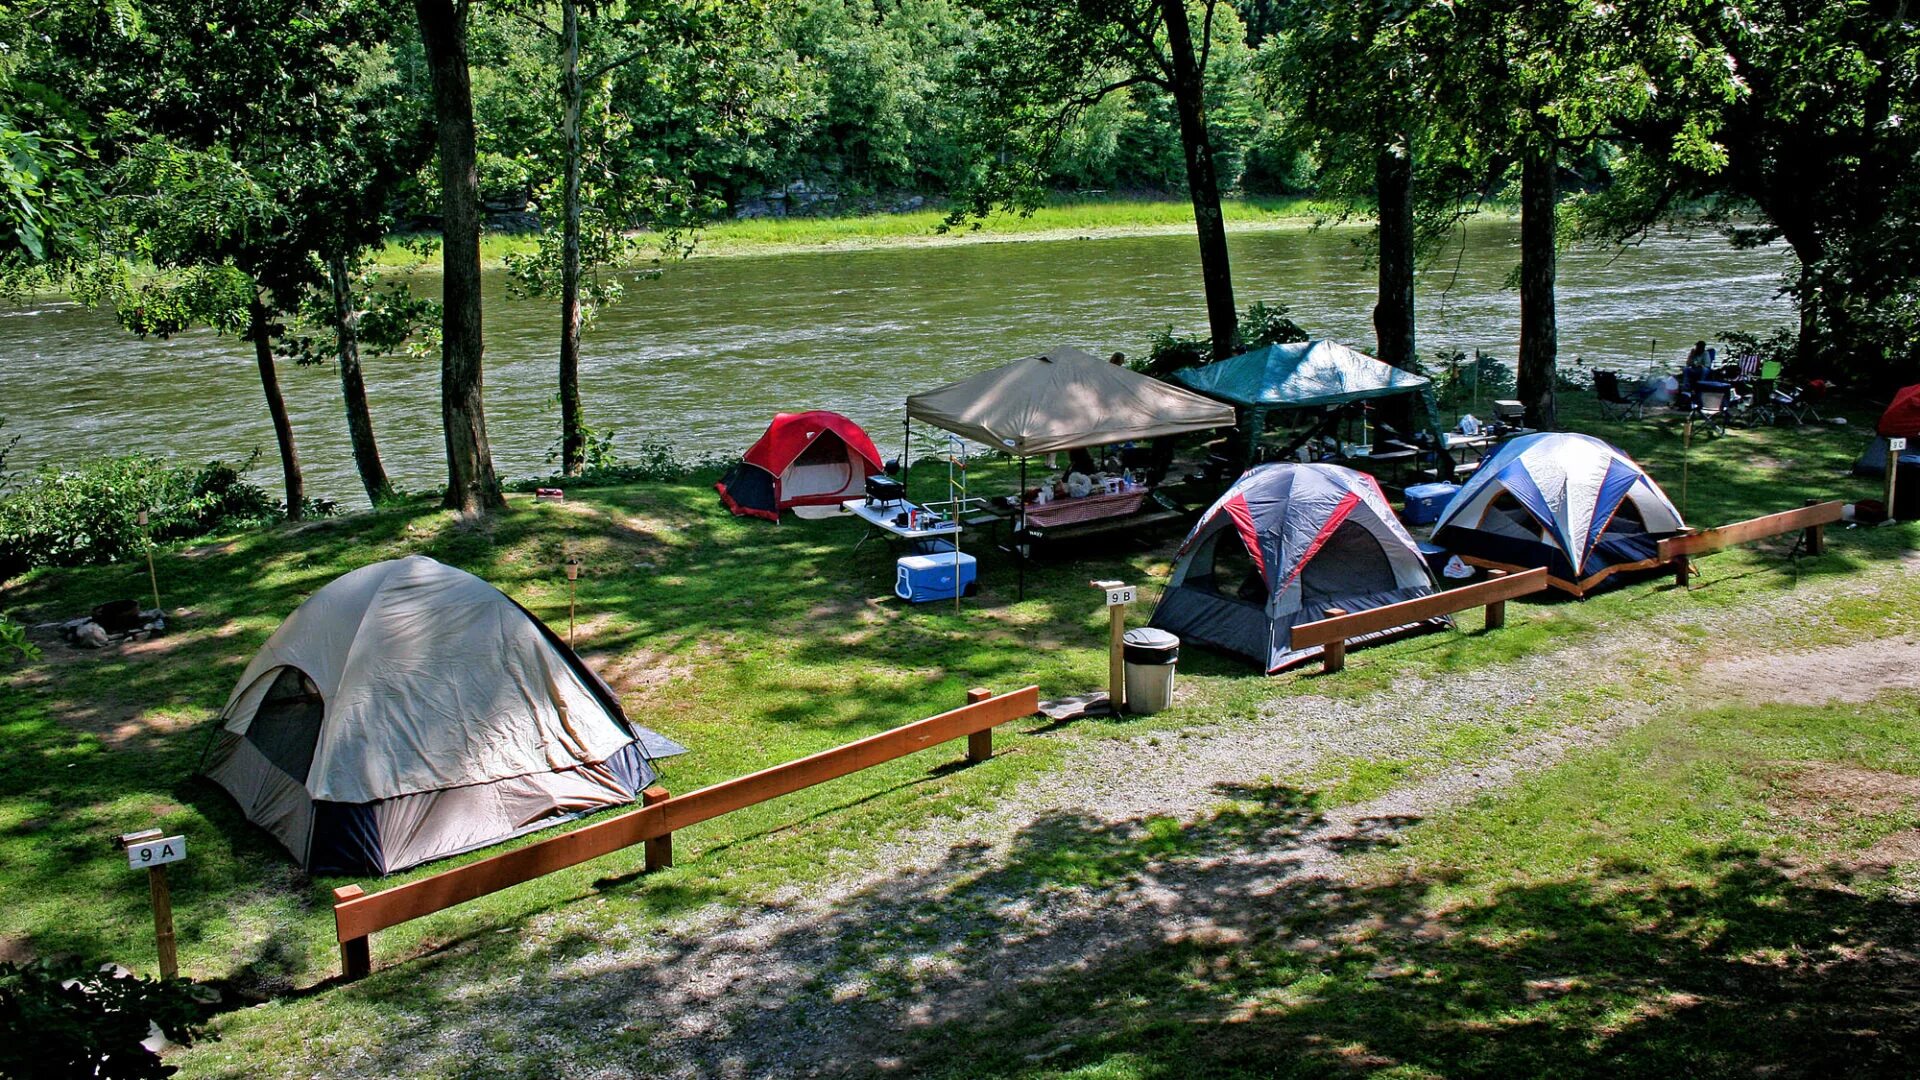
1088 218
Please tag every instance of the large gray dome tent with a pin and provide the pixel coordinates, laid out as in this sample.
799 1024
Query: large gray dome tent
1283 545
408 711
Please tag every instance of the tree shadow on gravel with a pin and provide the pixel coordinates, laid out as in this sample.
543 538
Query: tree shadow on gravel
1152 949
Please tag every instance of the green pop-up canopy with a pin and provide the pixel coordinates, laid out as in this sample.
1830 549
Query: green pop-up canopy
1299 375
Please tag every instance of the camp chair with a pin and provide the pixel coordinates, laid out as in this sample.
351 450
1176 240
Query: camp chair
1712 407
1616 405
1749 368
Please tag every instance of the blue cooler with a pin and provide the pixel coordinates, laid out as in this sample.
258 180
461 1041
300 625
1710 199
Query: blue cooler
1426 501
921 578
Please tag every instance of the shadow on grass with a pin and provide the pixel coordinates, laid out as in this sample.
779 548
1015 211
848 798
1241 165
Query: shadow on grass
1146 948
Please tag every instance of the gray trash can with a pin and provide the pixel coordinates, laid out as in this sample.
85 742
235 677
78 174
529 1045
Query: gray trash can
1150 656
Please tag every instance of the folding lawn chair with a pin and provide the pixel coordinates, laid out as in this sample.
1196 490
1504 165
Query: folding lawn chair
1712 407
1616 404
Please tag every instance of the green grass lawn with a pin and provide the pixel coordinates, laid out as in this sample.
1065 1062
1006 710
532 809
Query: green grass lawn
1065 217
1647 867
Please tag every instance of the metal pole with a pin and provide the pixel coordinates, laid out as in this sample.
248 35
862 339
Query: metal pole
1019 527
152 577
906 457
573 592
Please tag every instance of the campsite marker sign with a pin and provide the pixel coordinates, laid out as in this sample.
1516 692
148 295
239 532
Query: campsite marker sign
1119 595
150 850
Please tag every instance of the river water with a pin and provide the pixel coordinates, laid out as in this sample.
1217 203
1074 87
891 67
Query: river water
704 355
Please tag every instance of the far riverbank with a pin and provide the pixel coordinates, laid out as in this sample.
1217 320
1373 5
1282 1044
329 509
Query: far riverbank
1092 219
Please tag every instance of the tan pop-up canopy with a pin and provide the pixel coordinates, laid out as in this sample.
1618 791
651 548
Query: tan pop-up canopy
1062 400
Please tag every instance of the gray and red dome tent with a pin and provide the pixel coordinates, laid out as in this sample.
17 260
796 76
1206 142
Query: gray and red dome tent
804 459
1283 545
409 711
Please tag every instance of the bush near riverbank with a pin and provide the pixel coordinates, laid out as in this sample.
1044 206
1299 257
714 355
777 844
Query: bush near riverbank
755 643
89 512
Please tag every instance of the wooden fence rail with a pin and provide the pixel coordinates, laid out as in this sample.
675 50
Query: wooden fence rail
1812 519
357 914
1332 633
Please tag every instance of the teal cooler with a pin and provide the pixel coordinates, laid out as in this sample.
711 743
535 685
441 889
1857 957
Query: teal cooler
1425 502
921 578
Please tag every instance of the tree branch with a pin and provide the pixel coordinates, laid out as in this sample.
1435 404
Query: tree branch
1206 35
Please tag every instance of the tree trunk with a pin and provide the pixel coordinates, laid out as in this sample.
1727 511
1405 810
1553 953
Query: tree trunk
1539 336
353 386
259 329
572 427
1393 312
472 486
1203 184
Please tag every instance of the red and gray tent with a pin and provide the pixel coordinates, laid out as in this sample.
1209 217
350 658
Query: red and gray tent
1284 544
1900 421
812 458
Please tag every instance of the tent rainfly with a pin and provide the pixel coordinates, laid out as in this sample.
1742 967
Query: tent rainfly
1900 421
409 711
1063 399
1281 547
1577 505
1299 375
804 460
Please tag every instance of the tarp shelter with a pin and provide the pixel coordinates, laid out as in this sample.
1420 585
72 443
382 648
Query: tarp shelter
1577 505
1063 399
803 459
1301 375
409 711
1900 421
1284 544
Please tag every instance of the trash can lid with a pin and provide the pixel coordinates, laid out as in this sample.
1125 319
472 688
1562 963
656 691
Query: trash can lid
1148 637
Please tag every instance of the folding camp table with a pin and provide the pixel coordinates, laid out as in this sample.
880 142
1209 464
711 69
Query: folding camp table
880 522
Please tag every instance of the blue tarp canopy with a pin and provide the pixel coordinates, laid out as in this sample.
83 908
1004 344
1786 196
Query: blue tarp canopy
1300 374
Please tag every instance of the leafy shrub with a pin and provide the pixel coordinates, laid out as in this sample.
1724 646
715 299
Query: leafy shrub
656 461
1261 324
90 514
68 1018
1458 383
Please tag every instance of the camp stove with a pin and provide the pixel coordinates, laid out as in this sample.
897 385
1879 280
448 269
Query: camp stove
885 491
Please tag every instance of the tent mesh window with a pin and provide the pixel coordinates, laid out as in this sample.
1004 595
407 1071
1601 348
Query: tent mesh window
1226 569
825 466
287 726
1504 516
1351 563
1626 521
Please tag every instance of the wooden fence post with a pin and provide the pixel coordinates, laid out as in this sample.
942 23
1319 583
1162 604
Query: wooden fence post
356 954
1333 655
980 743
1496 611
1816 535
660 848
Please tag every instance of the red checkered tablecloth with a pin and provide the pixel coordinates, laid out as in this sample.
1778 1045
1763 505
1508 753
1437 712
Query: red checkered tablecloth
1090 508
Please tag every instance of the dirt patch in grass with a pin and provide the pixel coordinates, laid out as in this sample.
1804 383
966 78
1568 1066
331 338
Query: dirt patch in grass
1858 791
1846 673
639 673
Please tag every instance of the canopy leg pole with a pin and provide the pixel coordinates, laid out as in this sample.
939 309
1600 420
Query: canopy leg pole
1019 529
906 456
